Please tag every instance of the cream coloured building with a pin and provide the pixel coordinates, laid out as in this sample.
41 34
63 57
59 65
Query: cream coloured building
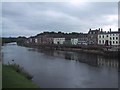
110 38
74 41
36 40
58 40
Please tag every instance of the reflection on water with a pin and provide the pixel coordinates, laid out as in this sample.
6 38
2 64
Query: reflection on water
91 59
107 62
63 69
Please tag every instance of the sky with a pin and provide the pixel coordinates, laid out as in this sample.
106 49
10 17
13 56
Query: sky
30 18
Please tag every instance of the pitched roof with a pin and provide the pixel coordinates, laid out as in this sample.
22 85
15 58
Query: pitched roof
112 32
96 31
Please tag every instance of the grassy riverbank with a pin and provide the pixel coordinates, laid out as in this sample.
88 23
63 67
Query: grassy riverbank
13 79
0 74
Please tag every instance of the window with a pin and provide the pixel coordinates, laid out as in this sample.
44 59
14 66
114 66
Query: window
116 38
103 41
113 38
99 41
107 35
103 36
110 38
110 43
99 36
36 40
113 34
116 42
113 42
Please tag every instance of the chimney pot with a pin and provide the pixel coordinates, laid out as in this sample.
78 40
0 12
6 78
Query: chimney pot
110 29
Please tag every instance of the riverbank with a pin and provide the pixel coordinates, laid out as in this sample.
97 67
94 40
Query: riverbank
64 69
13 79
85 49
0 75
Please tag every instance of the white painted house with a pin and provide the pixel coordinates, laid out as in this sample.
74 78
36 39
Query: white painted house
74 41
36 40
58 40
108 38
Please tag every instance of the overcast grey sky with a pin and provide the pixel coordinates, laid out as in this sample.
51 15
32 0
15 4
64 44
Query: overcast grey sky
31 18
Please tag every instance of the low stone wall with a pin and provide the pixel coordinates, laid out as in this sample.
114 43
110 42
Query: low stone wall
87 49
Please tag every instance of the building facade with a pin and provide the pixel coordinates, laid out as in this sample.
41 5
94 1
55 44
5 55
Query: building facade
58 40
93 36
74 41
30 40
67 40
108 38
83 39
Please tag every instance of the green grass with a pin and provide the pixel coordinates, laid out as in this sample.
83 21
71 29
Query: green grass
0 75
13 79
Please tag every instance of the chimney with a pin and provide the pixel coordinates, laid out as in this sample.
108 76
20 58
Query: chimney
90 29
110 29
101 30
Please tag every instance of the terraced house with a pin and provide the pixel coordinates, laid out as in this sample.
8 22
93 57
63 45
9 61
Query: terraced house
110 38
83 39
93 36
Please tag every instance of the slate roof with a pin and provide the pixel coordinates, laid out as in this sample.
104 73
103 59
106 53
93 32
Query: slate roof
112 32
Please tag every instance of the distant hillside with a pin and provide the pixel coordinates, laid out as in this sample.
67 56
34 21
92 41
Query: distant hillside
8 40
12 39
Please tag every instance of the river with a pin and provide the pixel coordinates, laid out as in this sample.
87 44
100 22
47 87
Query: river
63 69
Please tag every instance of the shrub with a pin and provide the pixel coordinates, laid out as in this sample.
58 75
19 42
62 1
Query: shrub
20 70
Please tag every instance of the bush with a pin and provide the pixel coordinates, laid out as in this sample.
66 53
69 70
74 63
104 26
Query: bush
20 70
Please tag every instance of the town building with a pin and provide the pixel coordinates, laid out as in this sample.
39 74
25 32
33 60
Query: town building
74 41
83 39
26 41
93 36
59 40
67 40
43 39
119 37
110 38
37 40
29 40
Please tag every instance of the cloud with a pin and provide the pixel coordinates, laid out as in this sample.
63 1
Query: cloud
30 18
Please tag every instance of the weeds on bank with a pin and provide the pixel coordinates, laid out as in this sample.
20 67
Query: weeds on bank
20 70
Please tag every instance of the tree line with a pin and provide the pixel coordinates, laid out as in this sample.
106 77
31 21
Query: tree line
12 39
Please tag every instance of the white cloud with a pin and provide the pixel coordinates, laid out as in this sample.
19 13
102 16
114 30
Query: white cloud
112 18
